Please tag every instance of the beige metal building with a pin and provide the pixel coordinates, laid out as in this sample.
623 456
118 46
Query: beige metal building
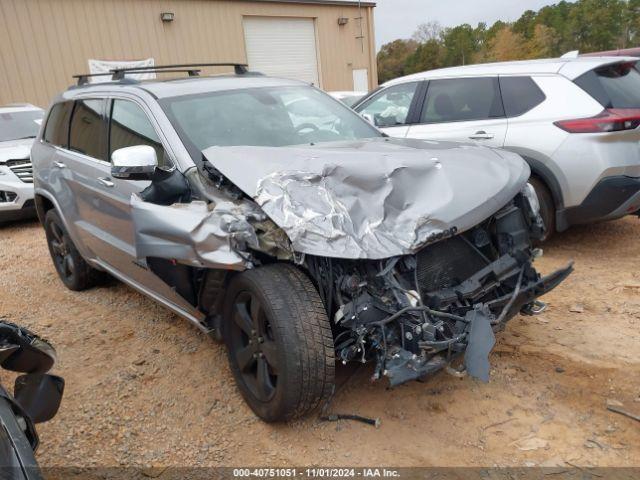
44 42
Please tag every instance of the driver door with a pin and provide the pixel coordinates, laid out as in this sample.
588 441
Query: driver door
391 109
462 110
129 125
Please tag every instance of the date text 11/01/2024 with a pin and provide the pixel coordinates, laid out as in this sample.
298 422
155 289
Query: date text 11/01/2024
316 472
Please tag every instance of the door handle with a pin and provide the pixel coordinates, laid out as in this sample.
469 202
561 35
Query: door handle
59 164
481 135
106 182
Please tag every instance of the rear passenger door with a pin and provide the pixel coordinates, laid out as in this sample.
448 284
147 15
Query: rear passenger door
83 162
529 126
464 110
102 201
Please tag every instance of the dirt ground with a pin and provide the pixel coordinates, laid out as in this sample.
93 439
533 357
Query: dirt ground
146 388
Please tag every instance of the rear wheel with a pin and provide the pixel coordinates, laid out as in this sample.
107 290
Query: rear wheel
279 342
72 269
547 207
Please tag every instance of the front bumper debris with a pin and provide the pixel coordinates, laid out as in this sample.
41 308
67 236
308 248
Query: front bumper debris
476 340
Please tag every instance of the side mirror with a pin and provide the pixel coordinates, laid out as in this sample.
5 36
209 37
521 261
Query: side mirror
39 395
24 352
369 118
134 163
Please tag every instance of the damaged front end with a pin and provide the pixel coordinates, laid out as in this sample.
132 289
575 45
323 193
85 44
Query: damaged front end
416 264
413 314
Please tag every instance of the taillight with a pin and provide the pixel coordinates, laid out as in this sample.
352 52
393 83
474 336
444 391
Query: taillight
610 120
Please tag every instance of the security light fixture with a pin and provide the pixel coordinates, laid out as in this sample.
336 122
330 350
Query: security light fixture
167 16
343 20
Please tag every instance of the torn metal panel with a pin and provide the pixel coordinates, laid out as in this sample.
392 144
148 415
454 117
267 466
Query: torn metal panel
194 233
373 199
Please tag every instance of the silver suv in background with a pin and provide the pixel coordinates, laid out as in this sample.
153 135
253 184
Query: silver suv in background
19 125
574 120
268 212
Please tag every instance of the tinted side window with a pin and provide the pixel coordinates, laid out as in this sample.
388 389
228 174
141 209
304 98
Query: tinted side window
390 107
87 129
614 86
462 99
57 127
130 126
520 94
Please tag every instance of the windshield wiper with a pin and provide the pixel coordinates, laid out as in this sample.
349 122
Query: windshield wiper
24 138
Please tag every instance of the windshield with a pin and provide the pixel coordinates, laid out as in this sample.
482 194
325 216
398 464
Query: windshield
351 100
273 117
17 125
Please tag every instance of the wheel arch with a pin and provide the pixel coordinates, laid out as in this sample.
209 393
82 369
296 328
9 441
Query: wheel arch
540 170
44 202
43 205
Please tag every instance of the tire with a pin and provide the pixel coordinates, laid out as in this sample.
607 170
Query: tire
276 329
547 207
72 269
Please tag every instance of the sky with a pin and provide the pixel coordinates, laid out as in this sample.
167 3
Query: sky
399 18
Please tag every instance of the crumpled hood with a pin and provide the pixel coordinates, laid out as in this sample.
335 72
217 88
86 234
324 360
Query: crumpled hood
375 198
15 149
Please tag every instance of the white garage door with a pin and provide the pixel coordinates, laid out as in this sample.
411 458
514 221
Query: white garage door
282 47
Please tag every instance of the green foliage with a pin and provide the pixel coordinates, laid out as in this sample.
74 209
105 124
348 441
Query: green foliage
427 56
585 25
460 45
393 57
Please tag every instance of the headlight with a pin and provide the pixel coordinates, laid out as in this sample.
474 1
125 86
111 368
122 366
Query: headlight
530 194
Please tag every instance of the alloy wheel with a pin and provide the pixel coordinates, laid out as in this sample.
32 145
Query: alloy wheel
60 245
254 346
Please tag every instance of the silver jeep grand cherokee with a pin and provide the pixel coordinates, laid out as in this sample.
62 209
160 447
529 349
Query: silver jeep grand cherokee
266 212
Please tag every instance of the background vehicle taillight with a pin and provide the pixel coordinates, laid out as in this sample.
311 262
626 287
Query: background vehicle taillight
610 120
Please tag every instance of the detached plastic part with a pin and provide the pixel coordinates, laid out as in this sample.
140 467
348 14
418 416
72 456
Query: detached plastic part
481 342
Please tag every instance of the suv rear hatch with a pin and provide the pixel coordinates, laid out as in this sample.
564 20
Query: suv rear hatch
608 143
617 88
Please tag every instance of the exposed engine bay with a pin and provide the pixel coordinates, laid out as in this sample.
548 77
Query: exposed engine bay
410 273
413 314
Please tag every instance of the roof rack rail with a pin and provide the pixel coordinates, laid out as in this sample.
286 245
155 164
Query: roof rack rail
118 74
83 78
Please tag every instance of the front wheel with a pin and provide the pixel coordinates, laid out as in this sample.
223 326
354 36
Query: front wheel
547 207
279 342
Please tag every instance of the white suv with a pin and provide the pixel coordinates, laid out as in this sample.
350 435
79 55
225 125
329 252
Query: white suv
19 125
574 120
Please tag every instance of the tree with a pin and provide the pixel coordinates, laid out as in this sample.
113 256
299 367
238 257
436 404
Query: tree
597 24
543 43
484 37
584 25
556 17
428 31
393 57
428 56
460 45
633 22
526 24
506 45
